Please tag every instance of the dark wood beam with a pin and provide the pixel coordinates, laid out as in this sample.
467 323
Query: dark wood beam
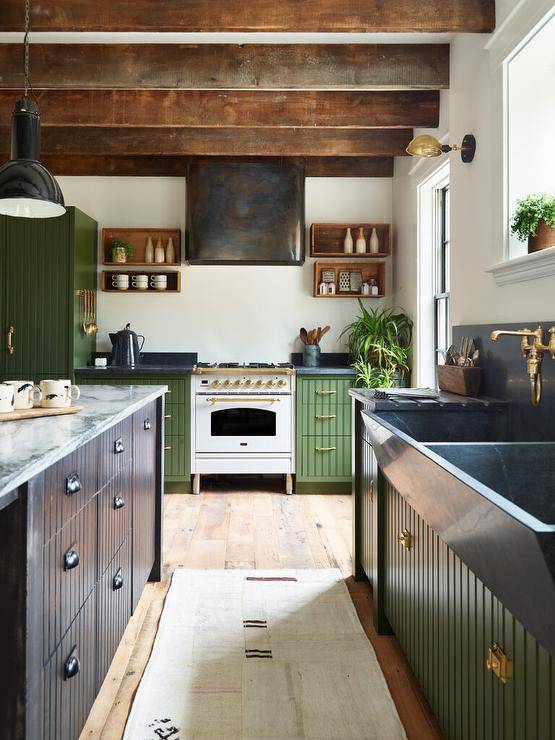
177 166
245 108
299 142
229 66
262 15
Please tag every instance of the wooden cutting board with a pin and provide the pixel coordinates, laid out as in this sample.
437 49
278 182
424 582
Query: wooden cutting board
37 412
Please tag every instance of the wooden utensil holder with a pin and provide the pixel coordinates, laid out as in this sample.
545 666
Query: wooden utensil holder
465 381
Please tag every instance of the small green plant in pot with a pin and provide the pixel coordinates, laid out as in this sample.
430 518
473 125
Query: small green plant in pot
534 220
120 252
380 347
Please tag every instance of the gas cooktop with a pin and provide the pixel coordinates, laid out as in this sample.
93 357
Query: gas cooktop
239 365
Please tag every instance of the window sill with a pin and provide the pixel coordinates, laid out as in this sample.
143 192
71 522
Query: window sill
528 267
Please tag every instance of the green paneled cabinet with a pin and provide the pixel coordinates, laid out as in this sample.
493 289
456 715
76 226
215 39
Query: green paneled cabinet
43 263
323 450
177 422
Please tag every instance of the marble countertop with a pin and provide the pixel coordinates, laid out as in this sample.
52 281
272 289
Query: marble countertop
30 446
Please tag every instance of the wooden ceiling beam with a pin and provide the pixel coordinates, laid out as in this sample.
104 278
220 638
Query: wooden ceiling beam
245 108
299 142
177 166
363 16
229 66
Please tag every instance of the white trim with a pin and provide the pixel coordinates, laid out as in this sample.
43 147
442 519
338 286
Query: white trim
529 267
522 22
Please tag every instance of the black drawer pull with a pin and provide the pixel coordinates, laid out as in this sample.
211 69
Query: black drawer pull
147 425
118 446
71 559
119 503
117 581
73 484
72 665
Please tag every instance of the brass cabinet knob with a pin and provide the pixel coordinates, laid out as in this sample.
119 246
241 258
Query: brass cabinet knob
405 538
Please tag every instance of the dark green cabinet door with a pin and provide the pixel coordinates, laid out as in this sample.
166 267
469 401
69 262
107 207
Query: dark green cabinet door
36 273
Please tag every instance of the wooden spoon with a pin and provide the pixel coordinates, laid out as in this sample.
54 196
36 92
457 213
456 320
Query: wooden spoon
85 309
304 336
325 330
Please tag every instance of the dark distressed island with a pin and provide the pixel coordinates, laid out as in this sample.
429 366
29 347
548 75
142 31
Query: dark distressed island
80 534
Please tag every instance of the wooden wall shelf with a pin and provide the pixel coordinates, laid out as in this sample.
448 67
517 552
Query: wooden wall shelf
326 240
368 270
137 238
173 281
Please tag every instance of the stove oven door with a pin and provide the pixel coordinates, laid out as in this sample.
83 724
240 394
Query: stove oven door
243 424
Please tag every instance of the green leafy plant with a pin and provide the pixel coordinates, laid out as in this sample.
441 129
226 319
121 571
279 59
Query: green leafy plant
379 342
116 244
529 212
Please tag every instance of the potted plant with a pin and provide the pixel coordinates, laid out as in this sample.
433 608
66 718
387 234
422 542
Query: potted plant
120 251
534 220
380 347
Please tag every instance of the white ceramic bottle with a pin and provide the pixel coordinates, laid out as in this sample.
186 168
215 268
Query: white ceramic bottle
149 250
361 242
374 242
348 242
159 252
170 251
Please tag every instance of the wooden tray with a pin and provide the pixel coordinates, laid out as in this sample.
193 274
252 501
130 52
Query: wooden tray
37 412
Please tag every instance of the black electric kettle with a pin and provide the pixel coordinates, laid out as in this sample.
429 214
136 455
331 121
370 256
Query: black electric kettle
125 347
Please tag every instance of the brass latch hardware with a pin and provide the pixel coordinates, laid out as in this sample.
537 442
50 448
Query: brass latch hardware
325 417
10 347
499 663
405 538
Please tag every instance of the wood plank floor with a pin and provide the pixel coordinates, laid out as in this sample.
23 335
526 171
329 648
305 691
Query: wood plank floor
251 529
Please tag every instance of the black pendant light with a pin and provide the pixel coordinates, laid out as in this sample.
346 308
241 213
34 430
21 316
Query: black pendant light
27 189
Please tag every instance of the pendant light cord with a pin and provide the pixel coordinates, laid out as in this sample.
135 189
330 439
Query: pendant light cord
27 80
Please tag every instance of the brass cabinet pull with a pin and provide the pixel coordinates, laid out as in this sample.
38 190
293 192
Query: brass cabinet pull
168 447
320 392
405 538
499 663
11 347
167 416
325 417
169 390
325 449
371 492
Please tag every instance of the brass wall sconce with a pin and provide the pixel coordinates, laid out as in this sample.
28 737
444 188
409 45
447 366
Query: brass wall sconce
533 352
428 146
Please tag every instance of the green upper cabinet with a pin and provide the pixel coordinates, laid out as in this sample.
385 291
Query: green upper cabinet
323 420
44 263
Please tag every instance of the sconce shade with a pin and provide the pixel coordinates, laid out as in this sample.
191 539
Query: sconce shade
27 189
424 146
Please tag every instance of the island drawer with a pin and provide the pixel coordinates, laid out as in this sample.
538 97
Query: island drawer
114 606
70 678
70 560
114 517
115 451
325 392
68 485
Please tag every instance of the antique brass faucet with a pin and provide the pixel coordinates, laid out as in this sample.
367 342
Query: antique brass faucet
533 352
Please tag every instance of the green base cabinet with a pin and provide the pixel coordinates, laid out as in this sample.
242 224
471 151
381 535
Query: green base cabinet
43 263
323 418
446 620
177 438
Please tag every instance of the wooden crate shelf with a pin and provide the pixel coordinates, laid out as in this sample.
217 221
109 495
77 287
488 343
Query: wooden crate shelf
137 238
173 282
326 240
368 269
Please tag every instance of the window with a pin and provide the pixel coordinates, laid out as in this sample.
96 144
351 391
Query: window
442 324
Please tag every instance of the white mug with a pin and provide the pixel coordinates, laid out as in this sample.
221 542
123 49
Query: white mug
26 393
140 282
58 394
7 394
159 282
121 282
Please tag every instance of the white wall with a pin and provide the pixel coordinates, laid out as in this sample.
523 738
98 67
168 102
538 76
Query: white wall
227 312
474 104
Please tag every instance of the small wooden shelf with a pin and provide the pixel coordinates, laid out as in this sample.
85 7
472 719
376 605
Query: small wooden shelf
137 238
173 276
326 240
368 269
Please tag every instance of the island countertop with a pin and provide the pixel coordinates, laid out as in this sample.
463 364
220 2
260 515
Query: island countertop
30 446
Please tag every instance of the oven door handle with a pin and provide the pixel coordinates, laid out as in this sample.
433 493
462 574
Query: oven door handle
236 399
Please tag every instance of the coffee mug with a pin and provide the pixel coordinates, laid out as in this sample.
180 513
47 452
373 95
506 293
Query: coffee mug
26 393
159 282
7 394
58 394
121 282
140 282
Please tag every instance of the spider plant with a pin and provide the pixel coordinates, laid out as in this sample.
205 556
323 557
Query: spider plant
379 345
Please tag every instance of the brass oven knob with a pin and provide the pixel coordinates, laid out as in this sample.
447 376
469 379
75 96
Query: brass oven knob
248 382
271 383
259 383
227 383
282 382
216 383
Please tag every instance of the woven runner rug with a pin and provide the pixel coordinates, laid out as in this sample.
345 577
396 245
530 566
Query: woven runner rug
261 654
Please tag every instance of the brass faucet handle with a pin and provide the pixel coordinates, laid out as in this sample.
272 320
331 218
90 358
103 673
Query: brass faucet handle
551 343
